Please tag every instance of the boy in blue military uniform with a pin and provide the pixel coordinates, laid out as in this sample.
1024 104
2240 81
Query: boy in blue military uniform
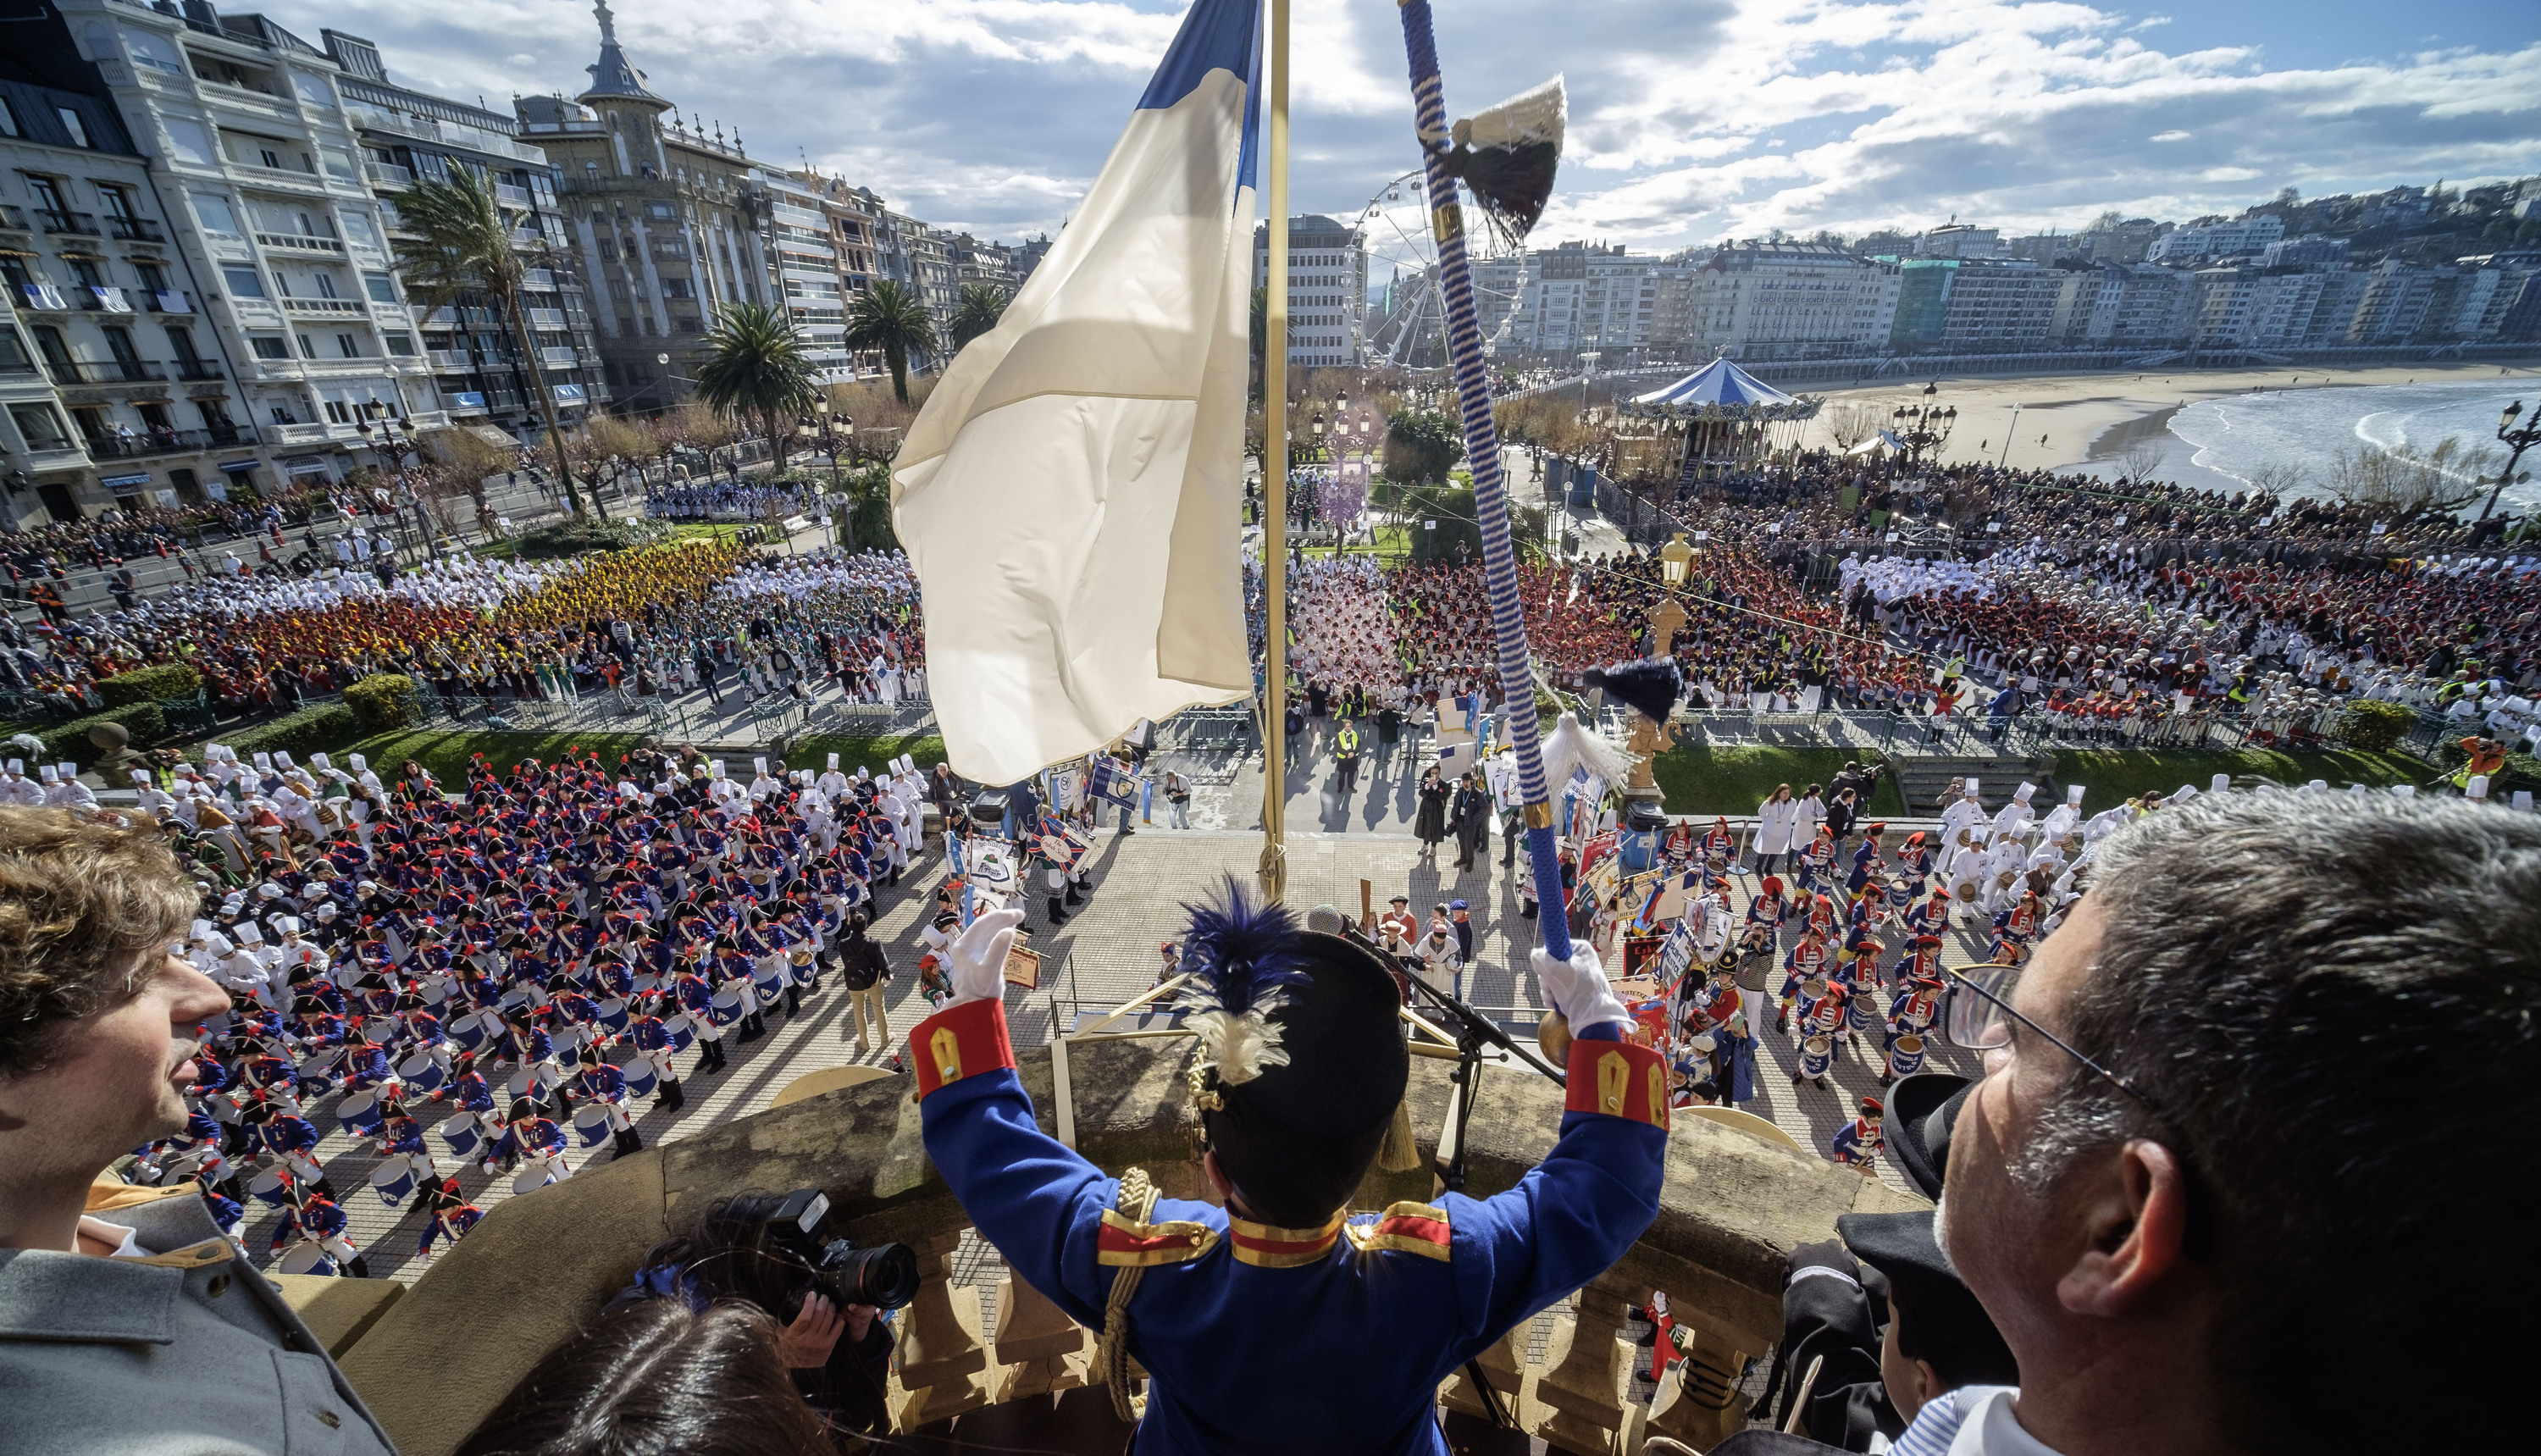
1279 1322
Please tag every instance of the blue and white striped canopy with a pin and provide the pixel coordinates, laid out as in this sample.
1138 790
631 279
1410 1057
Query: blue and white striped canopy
1718 382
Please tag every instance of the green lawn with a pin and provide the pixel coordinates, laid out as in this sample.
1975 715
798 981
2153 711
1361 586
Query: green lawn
1702 779
2111 778
447 754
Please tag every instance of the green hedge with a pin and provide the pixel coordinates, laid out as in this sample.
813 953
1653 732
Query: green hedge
150 685
321 729
2372 726
143 721
384 703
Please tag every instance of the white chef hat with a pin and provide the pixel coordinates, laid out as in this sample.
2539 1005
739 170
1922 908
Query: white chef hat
201 930
321 760
18 766
2523 800
360 764
2317 784
759 763
265 761
288 925
2477 788
251 933
269 890
718 768
2186 791
141 777
48 772
2220 784
281 758
834 763
2073 794
2023 792
218 945
2404 790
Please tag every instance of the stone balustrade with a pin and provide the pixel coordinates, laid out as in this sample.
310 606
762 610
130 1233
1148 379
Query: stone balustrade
434 1363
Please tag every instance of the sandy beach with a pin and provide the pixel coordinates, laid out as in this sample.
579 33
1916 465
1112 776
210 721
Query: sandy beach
2067 419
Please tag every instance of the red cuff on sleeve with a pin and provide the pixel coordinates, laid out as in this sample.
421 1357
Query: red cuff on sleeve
1618 1079
964 1040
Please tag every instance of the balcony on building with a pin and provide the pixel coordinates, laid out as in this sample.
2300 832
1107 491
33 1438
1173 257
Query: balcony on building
301 242
448 361
511 196
332 308
388 174
142 443
538 280
549 321
83 224
559 358
13 218
197 371
105 371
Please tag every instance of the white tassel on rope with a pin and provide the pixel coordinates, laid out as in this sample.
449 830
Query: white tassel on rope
1241 1045
1574 745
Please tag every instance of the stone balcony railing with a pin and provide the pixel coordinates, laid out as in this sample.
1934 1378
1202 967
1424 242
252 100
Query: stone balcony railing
540 1265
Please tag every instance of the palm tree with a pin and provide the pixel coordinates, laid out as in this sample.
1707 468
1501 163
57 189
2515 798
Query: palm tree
976 312
888 317
461 244
754 365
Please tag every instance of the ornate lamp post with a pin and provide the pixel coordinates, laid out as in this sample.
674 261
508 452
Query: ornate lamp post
2516 440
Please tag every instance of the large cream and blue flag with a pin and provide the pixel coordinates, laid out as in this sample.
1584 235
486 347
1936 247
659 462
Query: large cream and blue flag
1071 494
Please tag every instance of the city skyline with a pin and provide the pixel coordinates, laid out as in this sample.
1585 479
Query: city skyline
1691 121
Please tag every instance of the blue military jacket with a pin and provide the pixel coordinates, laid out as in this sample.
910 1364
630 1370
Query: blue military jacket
1284 1339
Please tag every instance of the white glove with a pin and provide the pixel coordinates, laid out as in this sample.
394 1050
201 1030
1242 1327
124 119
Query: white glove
976 958
1578 987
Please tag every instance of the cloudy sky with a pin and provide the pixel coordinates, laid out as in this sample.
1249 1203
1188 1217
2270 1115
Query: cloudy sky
1692 121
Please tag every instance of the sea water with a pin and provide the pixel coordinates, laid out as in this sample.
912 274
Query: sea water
2223 443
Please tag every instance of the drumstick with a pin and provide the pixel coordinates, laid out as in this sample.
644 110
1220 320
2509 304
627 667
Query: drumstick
1800 1397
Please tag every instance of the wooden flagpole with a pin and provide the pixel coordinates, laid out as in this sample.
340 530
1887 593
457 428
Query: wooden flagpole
1274 482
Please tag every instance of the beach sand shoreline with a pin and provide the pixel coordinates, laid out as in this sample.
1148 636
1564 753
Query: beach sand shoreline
2066 421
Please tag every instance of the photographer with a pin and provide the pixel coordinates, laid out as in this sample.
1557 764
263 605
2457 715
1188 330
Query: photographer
756 1247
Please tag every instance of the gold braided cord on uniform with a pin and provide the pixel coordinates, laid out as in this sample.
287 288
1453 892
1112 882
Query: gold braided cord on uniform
1136 1201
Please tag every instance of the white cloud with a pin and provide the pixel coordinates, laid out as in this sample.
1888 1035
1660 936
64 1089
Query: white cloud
1691 120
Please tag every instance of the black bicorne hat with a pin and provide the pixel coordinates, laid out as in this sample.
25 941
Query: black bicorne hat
1301 1062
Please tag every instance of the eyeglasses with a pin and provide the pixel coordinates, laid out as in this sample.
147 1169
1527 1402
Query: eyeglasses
1986 1024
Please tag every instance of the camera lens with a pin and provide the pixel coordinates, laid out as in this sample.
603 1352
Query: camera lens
884 1276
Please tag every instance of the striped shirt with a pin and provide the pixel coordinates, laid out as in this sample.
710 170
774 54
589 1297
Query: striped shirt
1972 1421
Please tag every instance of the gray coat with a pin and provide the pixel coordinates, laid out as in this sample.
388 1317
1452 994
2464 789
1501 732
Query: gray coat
186 1352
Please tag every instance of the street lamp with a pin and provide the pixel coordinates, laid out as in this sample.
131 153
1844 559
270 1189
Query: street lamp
1674 559
2517 440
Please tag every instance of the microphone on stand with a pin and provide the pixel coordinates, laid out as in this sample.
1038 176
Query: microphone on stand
1328 920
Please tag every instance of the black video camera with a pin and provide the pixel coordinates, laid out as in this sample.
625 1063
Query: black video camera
884 1276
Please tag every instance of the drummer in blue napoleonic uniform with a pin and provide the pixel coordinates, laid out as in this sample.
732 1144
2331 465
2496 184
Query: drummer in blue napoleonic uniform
1280 1322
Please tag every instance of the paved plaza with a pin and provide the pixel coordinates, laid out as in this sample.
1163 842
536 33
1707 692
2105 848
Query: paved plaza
1104 953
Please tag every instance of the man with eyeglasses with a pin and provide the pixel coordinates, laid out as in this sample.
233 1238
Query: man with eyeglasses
2173 1273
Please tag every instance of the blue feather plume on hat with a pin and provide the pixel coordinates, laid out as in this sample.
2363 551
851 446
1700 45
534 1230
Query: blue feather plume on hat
1246 958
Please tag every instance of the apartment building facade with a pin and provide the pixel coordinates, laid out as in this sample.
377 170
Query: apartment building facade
1789 300
255 158
1326 290
411 137
113 392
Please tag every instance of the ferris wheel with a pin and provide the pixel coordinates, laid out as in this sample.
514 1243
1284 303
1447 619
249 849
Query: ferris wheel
1404 327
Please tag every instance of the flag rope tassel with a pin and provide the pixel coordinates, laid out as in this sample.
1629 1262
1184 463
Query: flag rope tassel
1483 450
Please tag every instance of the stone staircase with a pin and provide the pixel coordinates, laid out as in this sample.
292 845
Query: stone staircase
1921 779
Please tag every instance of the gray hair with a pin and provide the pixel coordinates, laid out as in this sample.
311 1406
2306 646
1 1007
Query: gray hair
2328 1002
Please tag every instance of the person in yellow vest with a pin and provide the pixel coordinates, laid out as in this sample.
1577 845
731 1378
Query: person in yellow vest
1345 755
2487 756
